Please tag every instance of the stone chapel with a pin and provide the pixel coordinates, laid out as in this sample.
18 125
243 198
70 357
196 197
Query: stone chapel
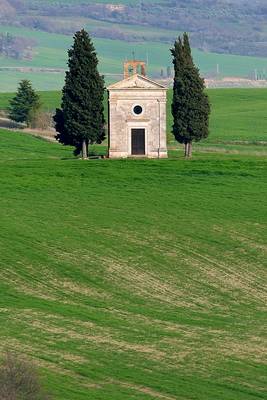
137 115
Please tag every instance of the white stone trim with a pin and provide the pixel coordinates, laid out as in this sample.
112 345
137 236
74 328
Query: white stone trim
136 125
136 82
137 105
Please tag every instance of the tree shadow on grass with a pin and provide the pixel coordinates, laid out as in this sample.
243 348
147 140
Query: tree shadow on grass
9 124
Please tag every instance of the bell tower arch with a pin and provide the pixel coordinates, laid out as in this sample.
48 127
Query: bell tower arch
133 67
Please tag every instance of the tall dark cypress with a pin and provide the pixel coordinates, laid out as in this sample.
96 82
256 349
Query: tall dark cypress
190 106
80 121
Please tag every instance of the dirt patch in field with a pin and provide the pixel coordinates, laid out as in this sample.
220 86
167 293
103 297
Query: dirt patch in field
249 242
51 287
145 284
145 390
251 349
29 287
225 275
97 335
78 288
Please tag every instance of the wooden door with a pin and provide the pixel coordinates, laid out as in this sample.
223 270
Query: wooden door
138 142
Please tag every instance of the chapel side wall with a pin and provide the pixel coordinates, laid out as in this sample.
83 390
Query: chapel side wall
118 146
163 127
158 128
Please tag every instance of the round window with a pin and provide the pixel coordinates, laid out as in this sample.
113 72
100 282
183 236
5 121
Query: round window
137 110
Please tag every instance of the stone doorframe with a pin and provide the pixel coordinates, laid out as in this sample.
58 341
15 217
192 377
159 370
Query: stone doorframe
136 125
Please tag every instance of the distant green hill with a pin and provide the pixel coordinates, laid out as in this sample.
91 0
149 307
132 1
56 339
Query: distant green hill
237 114
50 51
236 27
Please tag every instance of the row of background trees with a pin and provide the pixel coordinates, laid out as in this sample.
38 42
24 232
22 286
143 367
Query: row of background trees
80 121
220 26
16 46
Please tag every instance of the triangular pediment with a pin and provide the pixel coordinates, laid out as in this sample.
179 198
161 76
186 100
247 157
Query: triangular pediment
136 82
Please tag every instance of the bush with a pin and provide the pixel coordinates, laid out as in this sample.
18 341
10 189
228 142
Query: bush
42 120
19 380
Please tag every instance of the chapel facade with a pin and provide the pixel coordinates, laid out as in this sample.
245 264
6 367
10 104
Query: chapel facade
137 116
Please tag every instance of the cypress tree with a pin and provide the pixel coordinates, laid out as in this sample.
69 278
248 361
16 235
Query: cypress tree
25 104
190 105
80 121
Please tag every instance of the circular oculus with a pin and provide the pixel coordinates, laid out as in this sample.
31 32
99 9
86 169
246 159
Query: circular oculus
137 110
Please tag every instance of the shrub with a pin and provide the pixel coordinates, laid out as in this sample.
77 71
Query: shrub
19 380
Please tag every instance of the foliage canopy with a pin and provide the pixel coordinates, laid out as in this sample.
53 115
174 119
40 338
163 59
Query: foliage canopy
25 104
80 121
190 105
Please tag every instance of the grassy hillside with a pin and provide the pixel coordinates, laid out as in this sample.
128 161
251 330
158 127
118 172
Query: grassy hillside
51 52
134 279
50 100
239 27
237 114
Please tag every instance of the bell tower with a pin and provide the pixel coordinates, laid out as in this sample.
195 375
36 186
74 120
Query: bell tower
133 67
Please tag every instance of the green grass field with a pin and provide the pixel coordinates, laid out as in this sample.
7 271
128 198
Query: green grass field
50 100
51 52
134 279
41 80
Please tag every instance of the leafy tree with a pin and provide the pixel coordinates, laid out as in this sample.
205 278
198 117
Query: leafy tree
26 103
190 105
80 121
